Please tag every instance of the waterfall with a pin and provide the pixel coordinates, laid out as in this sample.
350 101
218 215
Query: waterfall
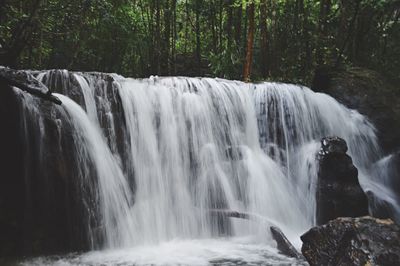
153 156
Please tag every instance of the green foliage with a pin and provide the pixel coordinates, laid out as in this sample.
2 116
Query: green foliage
164 37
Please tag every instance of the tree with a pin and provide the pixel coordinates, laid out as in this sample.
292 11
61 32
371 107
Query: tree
264 38
201 37
250 41
198 34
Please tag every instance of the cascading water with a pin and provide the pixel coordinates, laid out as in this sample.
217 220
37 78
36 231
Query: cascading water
162 153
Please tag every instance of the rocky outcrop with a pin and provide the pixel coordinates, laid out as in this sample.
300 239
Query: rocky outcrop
338 190
26 82
369 93
353 241
48 204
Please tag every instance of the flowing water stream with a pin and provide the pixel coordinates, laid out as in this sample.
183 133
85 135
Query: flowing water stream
153 156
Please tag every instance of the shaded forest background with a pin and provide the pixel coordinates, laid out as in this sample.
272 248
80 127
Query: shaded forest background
236 39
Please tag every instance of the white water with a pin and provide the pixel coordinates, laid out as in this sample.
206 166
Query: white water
200 144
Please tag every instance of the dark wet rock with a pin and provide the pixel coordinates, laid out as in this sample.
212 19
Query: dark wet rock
11 181
26 82
44 205
338 191
353 241
48 205
380 208
388 171
333 145
368 92
283 244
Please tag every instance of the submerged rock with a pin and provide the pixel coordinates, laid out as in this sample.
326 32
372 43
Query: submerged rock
338 191
353 241
283 244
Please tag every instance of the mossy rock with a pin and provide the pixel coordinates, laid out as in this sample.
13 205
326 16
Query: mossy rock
370 93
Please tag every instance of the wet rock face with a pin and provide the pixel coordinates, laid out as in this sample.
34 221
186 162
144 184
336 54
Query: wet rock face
25 81
353 241
41 209
11 201
48 204
339 193
333 145
369 93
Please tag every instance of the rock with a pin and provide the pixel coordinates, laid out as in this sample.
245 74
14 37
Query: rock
384 205
353 241
283 244
380 208
369 93
333 145
44 208
26 82
338 191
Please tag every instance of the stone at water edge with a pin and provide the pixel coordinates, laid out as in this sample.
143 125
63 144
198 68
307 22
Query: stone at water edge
283 244
353 241
339 193
333 145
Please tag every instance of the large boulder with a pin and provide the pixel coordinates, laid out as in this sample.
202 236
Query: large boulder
368 92
338 191
353 241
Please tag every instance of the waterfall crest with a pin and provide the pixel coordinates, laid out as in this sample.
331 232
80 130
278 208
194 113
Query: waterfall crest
152 157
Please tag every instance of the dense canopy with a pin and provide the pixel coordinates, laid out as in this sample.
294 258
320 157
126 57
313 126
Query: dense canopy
237 39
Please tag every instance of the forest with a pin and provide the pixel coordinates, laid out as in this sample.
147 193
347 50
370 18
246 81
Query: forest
236 39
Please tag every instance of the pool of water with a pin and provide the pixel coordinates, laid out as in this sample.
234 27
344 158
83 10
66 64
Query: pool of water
177 252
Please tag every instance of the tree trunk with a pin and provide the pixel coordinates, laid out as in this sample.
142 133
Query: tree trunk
238 24
198 43
249 46
167 35
264 38
174 37
220 20
325 6
349 33
158 38
229 22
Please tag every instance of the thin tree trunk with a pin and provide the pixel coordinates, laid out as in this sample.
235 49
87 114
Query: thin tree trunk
158 37
229 22
349 33
238 24
220 17
198 43
249 46
167 35
322 31
174 36
213 28
264 38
